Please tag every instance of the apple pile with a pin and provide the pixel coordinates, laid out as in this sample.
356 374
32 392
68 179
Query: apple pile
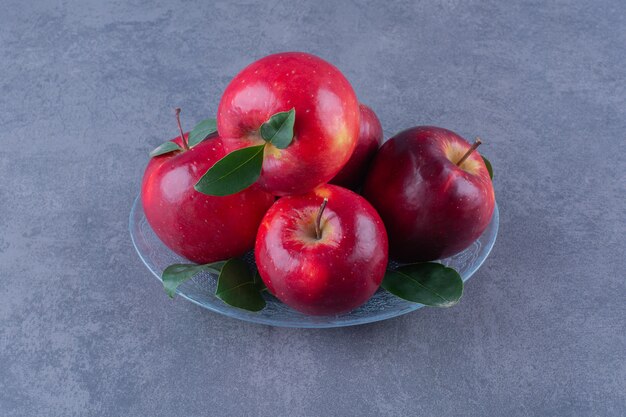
279 171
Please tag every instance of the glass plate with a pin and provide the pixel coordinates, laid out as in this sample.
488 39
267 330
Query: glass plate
201 289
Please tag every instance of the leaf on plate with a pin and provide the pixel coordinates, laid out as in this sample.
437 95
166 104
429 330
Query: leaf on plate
234 172
176 274
202 131
237 287
164 148
489 167
427 283
278 130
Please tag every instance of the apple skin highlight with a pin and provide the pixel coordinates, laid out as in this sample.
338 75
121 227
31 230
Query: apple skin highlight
331 275
326 124
431 207
196 226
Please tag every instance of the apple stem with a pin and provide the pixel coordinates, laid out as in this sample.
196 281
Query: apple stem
475 145
318 220
180 128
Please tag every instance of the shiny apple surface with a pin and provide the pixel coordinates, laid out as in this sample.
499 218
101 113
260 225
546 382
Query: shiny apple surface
199 227
326 123
327 268
432 206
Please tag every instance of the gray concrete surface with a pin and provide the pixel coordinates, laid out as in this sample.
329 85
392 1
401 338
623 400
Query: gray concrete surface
87 89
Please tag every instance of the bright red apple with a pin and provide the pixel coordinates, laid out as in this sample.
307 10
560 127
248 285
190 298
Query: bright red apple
370 139
322 253
199 227
326 121
434 197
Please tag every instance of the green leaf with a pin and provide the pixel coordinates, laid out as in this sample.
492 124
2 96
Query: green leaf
202 131
489 167
236 286
428 283
258 282
164 148
278 130
176 274
234 172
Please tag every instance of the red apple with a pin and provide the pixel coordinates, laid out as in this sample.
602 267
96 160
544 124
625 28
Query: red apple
322 264
432 206
370 139
199 227
326 122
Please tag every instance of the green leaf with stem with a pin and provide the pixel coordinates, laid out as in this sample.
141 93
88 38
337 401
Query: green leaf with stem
234 172
427 283
278 130
237 287
202 131
164 148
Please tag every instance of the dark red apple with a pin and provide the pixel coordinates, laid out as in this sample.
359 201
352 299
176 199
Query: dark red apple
326 121
370 139
322 264
432 206
199 227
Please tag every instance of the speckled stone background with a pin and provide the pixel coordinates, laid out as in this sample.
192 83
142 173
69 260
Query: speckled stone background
87 89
